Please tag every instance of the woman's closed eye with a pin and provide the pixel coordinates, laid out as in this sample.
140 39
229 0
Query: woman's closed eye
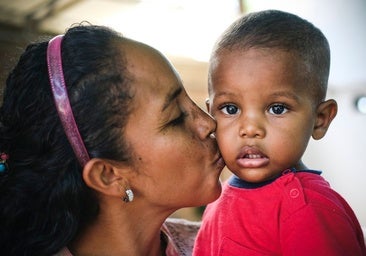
179 120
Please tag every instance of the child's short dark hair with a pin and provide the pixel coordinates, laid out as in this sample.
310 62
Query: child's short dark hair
283 31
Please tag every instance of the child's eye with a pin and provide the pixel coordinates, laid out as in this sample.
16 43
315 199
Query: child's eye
277 109
229 109
179 120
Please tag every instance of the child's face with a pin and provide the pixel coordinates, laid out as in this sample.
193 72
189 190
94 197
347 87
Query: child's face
264 111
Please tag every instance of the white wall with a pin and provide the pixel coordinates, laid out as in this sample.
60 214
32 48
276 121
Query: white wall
341 153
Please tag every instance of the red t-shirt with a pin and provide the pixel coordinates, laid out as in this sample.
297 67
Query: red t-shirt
297 214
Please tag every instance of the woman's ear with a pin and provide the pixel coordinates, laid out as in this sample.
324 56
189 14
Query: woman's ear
325 113
103 177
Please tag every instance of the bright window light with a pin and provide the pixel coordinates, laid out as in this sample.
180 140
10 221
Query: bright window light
186 28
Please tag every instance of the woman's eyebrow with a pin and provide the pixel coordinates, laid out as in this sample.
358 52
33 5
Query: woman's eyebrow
170 97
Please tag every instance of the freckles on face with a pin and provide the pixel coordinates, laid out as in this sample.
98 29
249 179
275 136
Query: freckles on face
169 136
264 113
174 161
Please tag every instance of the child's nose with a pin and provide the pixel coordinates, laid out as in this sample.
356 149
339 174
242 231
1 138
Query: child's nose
251 128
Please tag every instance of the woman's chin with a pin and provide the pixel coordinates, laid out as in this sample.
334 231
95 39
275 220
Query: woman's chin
214 194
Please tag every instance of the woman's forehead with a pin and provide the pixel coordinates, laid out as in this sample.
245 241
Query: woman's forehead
146 63
153 77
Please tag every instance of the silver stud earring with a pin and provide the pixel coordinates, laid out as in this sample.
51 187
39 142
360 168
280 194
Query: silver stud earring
128 196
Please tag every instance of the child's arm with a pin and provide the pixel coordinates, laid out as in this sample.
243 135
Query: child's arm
321 230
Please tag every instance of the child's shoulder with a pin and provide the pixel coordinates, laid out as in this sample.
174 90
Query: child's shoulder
310 189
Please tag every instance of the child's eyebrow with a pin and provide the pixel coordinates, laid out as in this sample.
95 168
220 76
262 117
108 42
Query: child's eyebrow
224 93
286 94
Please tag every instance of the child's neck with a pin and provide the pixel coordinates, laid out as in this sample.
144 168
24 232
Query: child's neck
301 166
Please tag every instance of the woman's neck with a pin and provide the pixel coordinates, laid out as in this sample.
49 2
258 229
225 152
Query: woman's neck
123 231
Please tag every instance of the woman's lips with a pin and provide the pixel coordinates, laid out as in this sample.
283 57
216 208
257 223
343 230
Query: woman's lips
250 157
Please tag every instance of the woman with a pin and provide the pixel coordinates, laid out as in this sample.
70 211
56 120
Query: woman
101 176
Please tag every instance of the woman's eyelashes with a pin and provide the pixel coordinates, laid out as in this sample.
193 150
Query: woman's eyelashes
179 120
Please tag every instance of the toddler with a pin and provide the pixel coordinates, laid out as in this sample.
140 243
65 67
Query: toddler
268 78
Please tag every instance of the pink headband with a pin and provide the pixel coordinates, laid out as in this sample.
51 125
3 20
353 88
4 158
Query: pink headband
61 99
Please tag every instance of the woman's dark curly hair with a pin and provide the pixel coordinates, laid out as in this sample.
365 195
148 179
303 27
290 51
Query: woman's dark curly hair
44 201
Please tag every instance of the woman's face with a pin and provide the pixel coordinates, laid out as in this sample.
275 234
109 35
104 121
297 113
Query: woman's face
176 163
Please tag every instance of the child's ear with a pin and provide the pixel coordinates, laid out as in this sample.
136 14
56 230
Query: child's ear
325 113
207 101
103 177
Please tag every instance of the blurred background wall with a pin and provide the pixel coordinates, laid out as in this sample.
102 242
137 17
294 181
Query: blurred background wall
185 30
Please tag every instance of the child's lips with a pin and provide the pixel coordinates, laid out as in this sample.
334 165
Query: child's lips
251 157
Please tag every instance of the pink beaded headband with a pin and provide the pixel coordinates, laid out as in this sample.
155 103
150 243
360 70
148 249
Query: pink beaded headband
61 99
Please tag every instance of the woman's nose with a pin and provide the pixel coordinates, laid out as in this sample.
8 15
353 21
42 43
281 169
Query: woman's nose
205 124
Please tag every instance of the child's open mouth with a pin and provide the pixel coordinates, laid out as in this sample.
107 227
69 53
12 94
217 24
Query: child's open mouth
250 157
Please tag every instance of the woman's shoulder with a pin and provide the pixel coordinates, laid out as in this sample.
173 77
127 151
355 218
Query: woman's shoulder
182 234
